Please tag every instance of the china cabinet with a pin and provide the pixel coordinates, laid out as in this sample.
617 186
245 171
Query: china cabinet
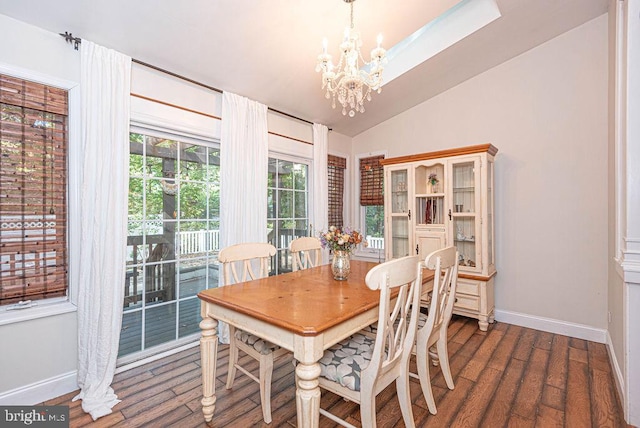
437 199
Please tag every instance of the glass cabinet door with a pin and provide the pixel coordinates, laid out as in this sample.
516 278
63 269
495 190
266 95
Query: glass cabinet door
399 192
400 213
464 204
399 237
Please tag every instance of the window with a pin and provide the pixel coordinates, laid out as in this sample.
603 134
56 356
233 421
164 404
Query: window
336 166
173 229
287 208
33 187
372 202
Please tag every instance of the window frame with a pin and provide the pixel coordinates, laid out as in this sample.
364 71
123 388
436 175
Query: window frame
365 252
300 160
55 305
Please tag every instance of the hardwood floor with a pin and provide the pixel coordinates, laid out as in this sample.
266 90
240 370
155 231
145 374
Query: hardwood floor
508 376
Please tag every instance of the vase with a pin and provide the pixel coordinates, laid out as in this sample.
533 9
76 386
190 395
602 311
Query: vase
340 265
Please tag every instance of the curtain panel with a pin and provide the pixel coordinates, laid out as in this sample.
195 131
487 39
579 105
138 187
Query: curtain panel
244 155
102 219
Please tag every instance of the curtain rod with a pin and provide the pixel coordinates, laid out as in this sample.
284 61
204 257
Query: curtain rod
68 37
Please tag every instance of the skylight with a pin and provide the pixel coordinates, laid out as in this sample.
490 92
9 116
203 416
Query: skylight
463 19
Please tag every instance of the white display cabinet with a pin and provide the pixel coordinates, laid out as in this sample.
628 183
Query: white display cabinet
437 199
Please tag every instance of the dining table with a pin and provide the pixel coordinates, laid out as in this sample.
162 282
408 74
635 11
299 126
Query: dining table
305 311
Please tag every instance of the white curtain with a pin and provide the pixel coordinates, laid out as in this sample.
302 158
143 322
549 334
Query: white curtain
102 219
244 154
320 184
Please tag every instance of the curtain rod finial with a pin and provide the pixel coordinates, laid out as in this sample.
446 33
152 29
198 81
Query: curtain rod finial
68 37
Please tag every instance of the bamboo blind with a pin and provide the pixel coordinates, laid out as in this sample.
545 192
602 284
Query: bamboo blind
33 182
336 166
371 181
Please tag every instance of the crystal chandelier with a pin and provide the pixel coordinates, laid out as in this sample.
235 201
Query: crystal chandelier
347 81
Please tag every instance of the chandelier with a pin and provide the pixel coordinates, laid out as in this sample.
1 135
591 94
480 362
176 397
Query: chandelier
347 81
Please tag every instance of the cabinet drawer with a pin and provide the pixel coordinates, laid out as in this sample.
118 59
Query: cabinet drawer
468 286
464 301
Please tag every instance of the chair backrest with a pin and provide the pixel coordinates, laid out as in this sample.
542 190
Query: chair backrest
397 321
306 252
445 264
237 261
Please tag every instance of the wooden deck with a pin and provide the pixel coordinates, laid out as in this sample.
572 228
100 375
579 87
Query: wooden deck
508 376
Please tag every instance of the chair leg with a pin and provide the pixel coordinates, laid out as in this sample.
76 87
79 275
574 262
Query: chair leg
443 356
233 357
425 379
368 408
266 372
404 397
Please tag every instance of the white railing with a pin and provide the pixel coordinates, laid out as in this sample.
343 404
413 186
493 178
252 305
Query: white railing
199 241
375 243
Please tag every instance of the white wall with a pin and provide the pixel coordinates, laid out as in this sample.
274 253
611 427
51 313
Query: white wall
33 351
546 111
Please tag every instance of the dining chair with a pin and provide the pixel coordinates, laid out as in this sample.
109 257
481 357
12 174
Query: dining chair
432 328
306 252
244 262
360 367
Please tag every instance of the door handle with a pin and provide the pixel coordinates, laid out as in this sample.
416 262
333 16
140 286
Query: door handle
450 214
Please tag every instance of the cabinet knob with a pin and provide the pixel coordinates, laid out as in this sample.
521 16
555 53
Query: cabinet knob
450 214
409 214
417 252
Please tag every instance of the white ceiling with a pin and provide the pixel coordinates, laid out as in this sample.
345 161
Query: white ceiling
266 49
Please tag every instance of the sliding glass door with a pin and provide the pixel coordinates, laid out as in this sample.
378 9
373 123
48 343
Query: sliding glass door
173 229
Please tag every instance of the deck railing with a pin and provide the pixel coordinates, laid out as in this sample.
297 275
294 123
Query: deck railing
198 241
375 243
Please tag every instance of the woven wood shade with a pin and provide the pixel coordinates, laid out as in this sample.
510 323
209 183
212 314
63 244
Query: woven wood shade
33 182
371 181
336 166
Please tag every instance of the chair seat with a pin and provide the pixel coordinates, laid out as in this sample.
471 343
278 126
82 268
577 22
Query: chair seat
344 362
262 346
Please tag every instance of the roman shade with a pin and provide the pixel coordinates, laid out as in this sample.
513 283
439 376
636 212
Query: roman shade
33 185
371 181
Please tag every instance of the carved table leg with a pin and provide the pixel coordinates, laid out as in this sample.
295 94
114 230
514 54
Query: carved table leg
209 355
308 395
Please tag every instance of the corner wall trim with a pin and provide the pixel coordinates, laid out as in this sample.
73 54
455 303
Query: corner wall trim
579 331
41 391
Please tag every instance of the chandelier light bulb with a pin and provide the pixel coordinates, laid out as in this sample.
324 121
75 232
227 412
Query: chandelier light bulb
349 81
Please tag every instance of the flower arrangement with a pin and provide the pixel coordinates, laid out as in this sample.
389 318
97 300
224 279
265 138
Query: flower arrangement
337 239
433 178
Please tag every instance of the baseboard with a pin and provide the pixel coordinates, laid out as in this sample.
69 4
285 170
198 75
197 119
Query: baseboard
617 373
42 391
550 325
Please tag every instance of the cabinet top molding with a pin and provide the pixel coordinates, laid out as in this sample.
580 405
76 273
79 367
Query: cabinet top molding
480 148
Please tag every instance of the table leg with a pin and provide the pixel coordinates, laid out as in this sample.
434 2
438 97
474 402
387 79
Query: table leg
209 355
308 395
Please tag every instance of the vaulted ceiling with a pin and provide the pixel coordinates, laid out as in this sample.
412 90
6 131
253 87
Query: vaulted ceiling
266 49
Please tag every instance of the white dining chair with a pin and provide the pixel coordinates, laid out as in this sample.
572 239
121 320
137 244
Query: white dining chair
432 328
306 252
238 265
360 367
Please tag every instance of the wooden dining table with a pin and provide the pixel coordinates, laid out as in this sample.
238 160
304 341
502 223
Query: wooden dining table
306 312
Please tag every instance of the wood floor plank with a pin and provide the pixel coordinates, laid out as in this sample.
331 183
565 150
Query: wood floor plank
549 417
525 344
498 412
578 410
530 390
558 359
553 397
478 400
482 356
504 350
448 406
604 400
